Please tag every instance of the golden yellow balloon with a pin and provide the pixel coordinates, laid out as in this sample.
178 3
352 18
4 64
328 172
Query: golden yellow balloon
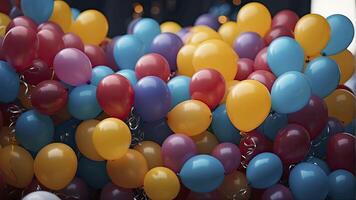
62 15
248 105
152 153
7 136
190 117
201 36
312 31
112 138
229 32
4 21
254 17
170 27
346 62
218 55
91 26
16 166
84 139
235 186
229 86
128 171
341 105
185 60
205 142
161 183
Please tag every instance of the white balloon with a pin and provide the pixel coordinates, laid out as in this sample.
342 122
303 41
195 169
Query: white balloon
41 195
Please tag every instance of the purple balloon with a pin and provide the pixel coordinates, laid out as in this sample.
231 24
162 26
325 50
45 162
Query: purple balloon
76 189
277 192
177 149
113 192
229 155
248 44
208 20
168 45
131 25
183 33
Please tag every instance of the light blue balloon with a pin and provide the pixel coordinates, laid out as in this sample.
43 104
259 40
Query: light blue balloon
93 172
342 33
82 103
179 88
75 13
9 83
272 124
98 73
129 74
320 163
308 181
34 130
341 185
38 10
146 29
223 128
127 50
202 173
324 76
285 54
290 92
264 170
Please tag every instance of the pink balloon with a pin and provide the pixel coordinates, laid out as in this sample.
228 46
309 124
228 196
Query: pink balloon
285 18
265 77
71 40
261 61
72 66
277 32
245 68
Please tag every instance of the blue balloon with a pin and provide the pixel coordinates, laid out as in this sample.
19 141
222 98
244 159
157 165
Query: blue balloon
202 173
127 50
82 103
179 88
341 185
272 124
130 75
75 13
9 83
290 92
342 33
34 130
308 181
98 73
264 170
320 163
156 131
146 29
222 126
65 132
350 128
93 172
284 54
38 10
152 98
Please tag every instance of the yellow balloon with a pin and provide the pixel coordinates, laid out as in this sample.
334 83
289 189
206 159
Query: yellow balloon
248 105
4 21
235 186
229 32
112 138
91 26
16 166
206 142
128 171
84 139
152 153
346 62
218 55
62 15
312 31
7 136
254 17
161 183
170 27
341 105
229 86
185 60
55 165
201 36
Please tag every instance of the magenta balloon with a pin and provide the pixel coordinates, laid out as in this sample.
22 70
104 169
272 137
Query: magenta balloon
277 32
265 77
245 68
286 18
76 189
261 61
229 155
72 67
248 44
113 192
277 192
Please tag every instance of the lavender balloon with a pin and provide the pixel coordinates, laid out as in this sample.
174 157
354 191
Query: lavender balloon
248 44
229 155
183 33
277 192
131 25
76 189
113 192
208 20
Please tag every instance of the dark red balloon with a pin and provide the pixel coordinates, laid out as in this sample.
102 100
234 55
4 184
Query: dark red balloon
38 72
95 54
109 52
265 77
344 87
71 40
113 192
48 97
76 189
115 96
34 186
254 143
152 64
207 86
2 56
50 26
22 21
313 117
340 152
277 32
1 120
49 44
214 195
245 68
261 61
286 18
183 193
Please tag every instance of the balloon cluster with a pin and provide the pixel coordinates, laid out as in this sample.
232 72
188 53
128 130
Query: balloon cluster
253 109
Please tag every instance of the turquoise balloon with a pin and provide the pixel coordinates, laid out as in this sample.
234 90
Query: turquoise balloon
342 185
146 29
272 124
320 163
38 10
9 83
179 88
130 75
98 73
127 50
93 172
75 13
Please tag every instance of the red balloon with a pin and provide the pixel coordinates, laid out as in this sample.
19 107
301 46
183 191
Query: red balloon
152 64
207 86
340 152
292 144
313 117
286 18
19 47
95 54
49 44
277 32
38 72
22 21
71 40
265 77
50 26
245 68
252 144
115 96
48 97
261 61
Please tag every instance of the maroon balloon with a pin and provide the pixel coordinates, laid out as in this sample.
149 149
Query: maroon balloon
1 120
313 117
95 54
286 18
340 152
113 192
252 144
38 72
183 193
277 32
109 52
344 87
2 56
76 189
50 26
214 195
277 192
229 155
152 64
256 194
261 61
244 68
49 44
71 40
265 77
22 21
48 97
35 185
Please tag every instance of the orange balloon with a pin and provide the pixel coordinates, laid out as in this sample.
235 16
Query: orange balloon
185 60
346 62
152 153
229 86
84 139
7 136
341 105
235 186
205 142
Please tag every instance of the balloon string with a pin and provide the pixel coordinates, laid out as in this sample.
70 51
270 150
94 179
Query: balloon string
250 150
65 196
134 122
139 194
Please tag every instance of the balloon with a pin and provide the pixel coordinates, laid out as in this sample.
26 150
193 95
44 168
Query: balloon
65 132
62 15
308 181
341 105
235 186
200 34
71 40
153 64
261 61
248 44
202 173
109 53
229 155
276 32
82 103
229 86
161 183
34 130
229 31
152 153
156 131
98 73
245 68
41 195
93 172
50 26
264 77
179 88
75 13
241 105
113 192
22 21
170 27
185 60
128 171
214 195
272 124
217 55
84 139
254 17
146 30
290 92
277 192
7 136
77 188
111 138
129 74
189 117
341 34
345 61
39 11
285 18
37 73
312 32
184 33
16 166
55 166
350 128
341 185
4 22
96 55
205 142
9 83
207 20
132 25
127 50
320 163
340 152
